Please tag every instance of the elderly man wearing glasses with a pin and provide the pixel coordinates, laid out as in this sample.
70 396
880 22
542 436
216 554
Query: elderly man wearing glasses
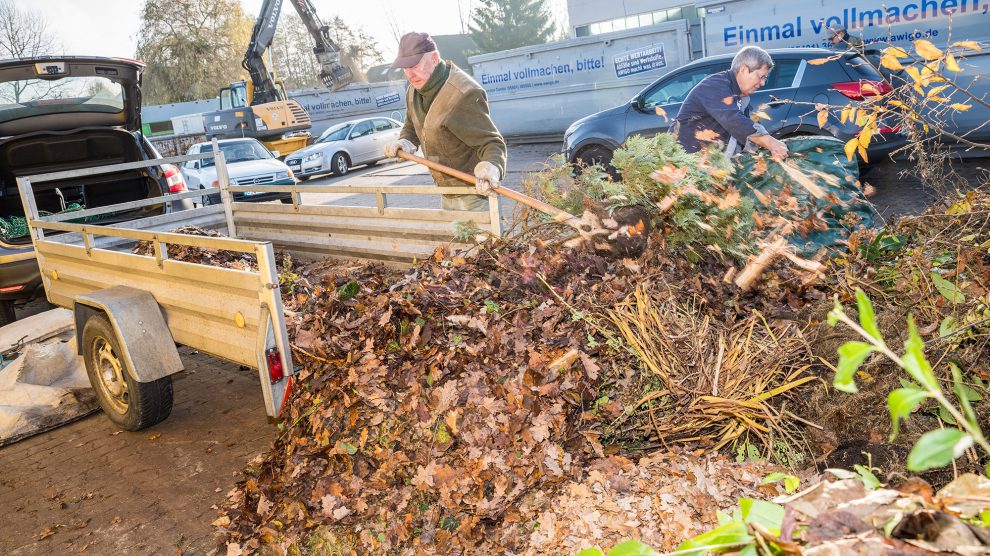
447 115
717 109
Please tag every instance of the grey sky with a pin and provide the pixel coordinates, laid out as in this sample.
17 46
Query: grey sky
109 27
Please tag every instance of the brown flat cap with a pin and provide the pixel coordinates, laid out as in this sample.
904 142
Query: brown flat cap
412 46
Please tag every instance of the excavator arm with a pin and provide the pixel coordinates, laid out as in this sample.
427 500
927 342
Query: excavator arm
333 74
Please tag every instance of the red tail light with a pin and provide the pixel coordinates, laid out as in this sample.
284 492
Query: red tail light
275 370
176 183
12 289
889 129
860 90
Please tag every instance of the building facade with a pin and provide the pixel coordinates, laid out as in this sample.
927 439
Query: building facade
595 17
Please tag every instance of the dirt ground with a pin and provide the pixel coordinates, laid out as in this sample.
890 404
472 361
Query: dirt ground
92 489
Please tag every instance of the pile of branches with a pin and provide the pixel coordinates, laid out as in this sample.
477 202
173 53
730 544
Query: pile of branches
936 268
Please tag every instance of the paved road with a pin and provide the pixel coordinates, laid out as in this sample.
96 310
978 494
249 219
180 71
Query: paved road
91 488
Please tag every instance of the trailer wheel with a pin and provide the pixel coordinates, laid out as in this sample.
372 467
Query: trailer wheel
131 404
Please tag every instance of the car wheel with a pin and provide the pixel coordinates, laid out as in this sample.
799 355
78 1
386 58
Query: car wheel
597 154
130 404
339 163
7 314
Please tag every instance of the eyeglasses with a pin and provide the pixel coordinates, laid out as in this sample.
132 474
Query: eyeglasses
763 78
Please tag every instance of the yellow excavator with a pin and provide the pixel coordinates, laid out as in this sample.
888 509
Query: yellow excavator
260 107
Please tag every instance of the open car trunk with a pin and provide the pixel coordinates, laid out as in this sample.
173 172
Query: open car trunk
56 152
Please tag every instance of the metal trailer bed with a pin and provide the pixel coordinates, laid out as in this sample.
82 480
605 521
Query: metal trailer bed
132 310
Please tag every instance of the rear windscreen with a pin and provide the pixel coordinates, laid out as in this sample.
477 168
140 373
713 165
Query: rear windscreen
36 97
859 68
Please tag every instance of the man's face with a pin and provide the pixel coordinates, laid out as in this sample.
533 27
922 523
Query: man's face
835 38
421 72
750 81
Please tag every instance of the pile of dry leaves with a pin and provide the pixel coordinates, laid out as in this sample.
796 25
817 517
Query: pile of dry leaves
428 407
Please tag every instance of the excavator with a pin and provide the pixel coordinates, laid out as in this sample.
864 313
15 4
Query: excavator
260 107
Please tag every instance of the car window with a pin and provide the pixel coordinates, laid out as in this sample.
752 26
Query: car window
239 151
382 125
362 129
860 68
37 97
336 133
677 88
782 75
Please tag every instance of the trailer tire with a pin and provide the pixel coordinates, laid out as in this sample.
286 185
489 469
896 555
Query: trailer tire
130 404
7 314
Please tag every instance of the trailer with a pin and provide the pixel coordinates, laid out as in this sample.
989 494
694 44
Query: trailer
132 310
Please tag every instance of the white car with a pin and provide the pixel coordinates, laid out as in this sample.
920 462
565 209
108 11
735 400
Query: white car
344 146
248 163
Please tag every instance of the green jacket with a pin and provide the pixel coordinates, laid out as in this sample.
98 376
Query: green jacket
457 130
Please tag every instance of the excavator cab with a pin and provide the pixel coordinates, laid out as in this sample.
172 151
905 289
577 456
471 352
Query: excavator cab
235 96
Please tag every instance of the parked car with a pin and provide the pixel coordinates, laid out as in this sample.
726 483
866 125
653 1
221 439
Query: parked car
845 81
69 113
248 163
343 146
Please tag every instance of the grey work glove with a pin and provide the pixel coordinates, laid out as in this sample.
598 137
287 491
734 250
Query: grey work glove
392 149
488 176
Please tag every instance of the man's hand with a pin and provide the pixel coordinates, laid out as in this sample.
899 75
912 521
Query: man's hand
392 149
776 147
488 176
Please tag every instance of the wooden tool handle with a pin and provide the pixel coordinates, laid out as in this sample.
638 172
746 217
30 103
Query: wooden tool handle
548 209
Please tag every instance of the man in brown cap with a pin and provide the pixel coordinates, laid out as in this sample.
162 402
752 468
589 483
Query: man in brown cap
447 115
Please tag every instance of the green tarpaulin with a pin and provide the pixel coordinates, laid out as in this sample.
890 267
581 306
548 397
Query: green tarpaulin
839 207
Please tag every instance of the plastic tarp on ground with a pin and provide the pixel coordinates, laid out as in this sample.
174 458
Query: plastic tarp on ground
43 382
835 203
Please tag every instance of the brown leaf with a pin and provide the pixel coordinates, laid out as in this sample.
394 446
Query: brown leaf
155 436
706 135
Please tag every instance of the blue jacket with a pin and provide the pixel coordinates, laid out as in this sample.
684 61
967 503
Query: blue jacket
715 104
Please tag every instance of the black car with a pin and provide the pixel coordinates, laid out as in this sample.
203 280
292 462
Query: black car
68 113
844 81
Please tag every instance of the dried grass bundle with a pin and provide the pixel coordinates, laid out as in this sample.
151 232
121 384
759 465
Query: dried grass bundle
713 381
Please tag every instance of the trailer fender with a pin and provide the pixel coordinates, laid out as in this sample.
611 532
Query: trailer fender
145 339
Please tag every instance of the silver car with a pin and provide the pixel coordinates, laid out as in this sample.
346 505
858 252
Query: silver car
344 146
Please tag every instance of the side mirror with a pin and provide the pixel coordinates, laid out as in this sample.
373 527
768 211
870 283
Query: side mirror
637 103
276 154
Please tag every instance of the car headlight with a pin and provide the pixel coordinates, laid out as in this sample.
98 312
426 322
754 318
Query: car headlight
314 156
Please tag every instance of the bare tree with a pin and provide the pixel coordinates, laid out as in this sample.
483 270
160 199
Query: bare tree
191 47
24 34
